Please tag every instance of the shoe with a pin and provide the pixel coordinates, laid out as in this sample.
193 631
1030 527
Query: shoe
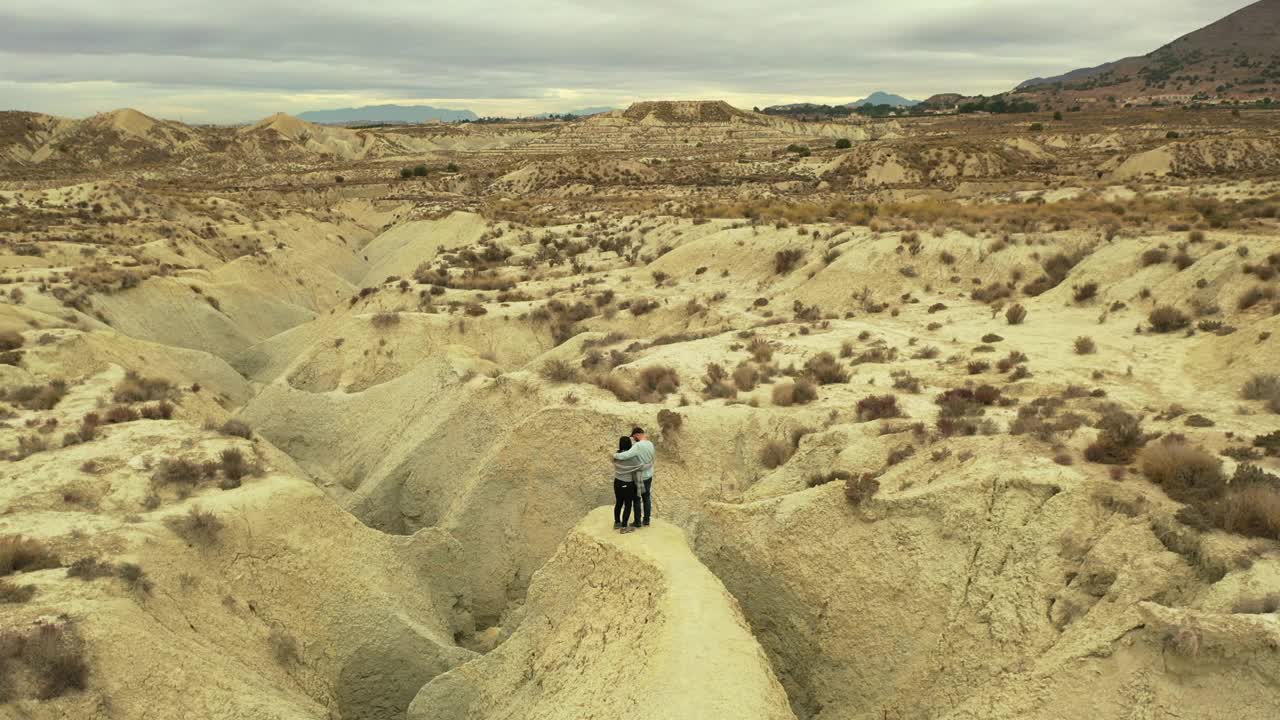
646 523
635 527
627 530
617 525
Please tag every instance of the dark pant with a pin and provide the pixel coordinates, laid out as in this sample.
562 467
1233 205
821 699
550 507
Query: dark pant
647 500
625 502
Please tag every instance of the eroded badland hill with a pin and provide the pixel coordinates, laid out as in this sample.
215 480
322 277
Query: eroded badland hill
972 418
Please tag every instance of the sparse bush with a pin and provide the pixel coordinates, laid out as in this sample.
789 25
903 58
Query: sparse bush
760 349
746 377
178 472
236 428
14 595
117 414
1153 256
1015 314
858 490
1255 295
158 411
642 306
23 554
1165 319
903 380
90 568
775 454
1085 292
135 388
656 382
843 144
134 578
1085 346
784 261
800 392
51 655
197 527
10 340
670 422
876 407
716 383
824 369
819 479
1120 436
383 320
1187 474
36 397
558 370
284 648
233 465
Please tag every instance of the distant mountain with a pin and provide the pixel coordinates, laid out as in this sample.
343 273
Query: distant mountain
883 98
583 112
386 113
1235 58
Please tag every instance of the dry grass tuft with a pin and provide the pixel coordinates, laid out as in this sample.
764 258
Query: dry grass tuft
558 370
135 388
197 527
23 554
776 453
876 407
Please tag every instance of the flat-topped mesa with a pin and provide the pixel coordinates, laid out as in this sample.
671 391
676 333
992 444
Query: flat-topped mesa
686 111
618 626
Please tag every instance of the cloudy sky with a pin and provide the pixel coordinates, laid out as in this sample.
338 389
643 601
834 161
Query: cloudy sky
237 60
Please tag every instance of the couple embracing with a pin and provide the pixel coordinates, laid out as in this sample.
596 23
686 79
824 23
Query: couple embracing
632 480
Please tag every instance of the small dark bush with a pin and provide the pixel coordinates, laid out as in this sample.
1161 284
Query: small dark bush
858 490
236 428
1085 346
775 454
824 369
876 407
1016 314
1165 319
1120 436
784 261
135 388
558 370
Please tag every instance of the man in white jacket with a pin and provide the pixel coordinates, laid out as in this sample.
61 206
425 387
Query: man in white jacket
643 450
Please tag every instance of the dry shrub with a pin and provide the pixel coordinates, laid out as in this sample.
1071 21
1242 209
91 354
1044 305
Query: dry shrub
233 464
1016 314
716 383
800 392
656 382
1255 295
1186 473
875 407
236 428
760 349
1120 437
897 455
159 411
642 306
669 421
858 490
284 648
1165 319
558 370
824 369
90 568
784 261
616 384
1153 256
1085 346
1262 386
903 380
1252 510
10 340
178 472
15 595
36 397
135 388
746 377
197 527
383 320
775 454
824 478
23 554
1084 292
50 656
117 414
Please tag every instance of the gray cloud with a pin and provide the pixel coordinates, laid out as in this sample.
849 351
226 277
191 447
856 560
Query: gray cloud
69 56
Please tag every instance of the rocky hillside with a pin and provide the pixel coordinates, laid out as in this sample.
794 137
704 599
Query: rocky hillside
1236 58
